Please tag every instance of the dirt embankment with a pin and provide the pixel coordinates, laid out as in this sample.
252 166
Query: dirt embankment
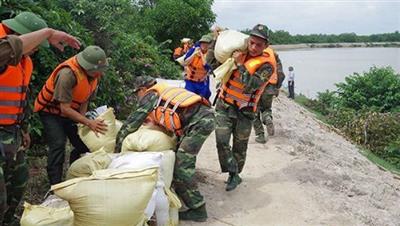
305 175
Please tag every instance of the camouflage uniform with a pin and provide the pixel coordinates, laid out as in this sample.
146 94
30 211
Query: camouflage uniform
13 172
198 123
264 109
232 121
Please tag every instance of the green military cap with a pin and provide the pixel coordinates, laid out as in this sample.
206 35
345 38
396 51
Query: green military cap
143 81
26 22
260 31
92 58
206 38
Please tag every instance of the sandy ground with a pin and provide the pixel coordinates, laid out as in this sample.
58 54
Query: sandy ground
305 175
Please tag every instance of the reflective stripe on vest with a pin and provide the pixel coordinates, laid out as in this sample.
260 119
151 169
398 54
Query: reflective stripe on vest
80 93
170 100
14 82
233 90
196 71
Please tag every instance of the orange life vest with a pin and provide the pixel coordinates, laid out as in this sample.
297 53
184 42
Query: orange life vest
232 91
80 93
170 103
195 71
14 82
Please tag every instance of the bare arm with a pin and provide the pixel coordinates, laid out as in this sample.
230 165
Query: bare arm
55 38
97 126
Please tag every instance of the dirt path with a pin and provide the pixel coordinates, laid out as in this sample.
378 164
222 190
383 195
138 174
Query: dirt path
304 175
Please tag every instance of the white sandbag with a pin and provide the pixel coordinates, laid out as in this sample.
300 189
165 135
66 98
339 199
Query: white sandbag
161 207
136 160
224 71
148 139
115 197
53 211
227 42
107 140
86 165
181 60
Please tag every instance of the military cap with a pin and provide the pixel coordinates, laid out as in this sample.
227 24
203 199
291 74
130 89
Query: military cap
260 31
26 22
143 81
206 38
92 58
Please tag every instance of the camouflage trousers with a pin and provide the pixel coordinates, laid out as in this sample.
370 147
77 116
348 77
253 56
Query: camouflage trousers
196 132
232 121
264 114
13 173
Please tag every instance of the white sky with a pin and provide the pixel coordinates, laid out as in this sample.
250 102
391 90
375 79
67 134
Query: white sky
311 16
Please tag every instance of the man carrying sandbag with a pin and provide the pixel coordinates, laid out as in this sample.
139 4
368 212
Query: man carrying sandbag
236 105
264 110
63 101
190 118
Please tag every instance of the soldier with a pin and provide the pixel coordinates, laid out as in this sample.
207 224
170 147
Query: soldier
236 105
190 118
264 112
63 102
15 76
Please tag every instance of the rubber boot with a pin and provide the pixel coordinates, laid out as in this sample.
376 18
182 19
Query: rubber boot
233 181
198 215
261 139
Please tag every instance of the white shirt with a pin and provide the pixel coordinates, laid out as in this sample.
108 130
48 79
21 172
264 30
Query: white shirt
291 76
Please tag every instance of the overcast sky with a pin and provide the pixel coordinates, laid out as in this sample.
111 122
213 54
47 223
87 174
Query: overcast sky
307 17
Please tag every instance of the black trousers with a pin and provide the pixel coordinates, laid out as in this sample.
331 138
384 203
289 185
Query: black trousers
291 89
56 130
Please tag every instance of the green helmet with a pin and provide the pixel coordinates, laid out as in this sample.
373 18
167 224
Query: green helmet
26 22
260 31
206 38
143 81
92 58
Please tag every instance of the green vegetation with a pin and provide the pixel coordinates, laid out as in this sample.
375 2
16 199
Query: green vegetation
136 35
366 107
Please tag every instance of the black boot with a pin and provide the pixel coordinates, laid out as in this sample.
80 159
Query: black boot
233 181
198 215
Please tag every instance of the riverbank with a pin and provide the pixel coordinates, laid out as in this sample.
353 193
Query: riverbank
336 45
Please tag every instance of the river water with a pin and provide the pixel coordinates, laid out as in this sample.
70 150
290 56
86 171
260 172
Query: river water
317 70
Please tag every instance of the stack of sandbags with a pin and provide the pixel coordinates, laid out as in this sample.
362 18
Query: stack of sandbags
150 140
115 197
53 211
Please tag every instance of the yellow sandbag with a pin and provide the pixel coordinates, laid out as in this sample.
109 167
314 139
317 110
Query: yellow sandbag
86 165
227 42
114 197
38 215
174 205
167 167
148 139
224 71
107 140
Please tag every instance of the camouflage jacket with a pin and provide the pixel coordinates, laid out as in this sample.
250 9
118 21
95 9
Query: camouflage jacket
143 108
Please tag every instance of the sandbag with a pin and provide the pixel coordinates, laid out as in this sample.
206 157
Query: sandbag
115 197
227 42
224 71
148 139
107 140
53 211
86 165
